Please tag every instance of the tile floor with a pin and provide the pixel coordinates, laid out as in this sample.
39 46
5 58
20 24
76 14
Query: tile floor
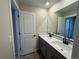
34 55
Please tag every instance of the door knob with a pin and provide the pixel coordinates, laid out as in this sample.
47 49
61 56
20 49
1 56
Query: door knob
34 35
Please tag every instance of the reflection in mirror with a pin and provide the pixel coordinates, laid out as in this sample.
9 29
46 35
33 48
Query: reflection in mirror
65 23
67 26
68 21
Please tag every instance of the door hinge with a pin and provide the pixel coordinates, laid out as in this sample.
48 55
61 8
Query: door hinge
18 15
19 33
20 49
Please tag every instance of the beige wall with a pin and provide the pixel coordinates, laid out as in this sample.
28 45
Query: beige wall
6 51
41 17
52 22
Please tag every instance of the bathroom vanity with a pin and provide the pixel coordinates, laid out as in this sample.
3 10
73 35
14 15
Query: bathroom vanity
52 48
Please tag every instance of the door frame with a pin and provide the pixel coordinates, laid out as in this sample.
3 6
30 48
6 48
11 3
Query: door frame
21 23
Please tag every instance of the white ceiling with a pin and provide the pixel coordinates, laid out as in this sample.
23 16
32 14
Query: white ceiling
38 3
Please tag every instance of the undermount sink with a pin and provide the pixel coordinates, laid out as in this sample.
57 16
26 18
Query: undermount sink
62 47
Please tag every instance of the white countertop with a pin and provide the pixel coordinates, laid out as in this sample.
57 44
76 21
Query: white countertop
65 50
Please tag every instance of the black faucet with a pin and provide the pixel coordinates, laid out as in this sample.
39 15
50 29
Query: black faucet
66 41
50 35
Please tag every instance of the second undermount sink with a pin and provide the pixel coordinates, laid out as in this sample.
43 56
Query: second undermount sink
60 46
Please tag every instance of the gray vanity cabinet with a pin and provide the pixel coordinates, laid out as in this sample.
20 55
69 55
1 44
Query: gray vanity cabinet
48 51
50 55
43 47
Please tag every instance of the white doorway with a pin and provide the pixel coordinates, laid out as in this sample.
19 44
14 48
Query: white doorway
28 31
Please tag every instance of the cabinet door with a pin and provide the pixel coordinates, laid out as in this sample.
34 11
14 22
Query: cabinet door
40 44
59 56
44 50
43 47
48 54
53 56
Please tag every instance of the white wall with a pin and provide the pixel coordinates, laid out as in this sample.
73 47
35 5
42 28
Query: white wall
6 47
41 17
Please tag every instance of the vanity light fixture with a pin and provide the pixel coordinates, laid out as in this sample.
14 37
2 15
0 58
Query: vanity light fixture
47 3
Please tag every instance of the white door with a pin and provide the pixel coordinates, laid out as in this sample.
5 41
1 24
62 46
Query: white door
28 41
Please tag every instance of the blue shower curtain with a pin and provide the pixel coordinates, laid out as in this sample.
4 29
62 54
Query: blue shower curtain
70 25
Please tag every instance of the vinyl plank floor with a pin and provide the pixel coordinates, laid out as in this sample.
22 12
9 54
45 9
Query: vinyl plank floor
35 55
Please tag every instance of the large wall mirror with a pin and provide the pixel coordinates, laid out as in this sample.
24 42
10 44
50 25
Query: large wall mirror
65 22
